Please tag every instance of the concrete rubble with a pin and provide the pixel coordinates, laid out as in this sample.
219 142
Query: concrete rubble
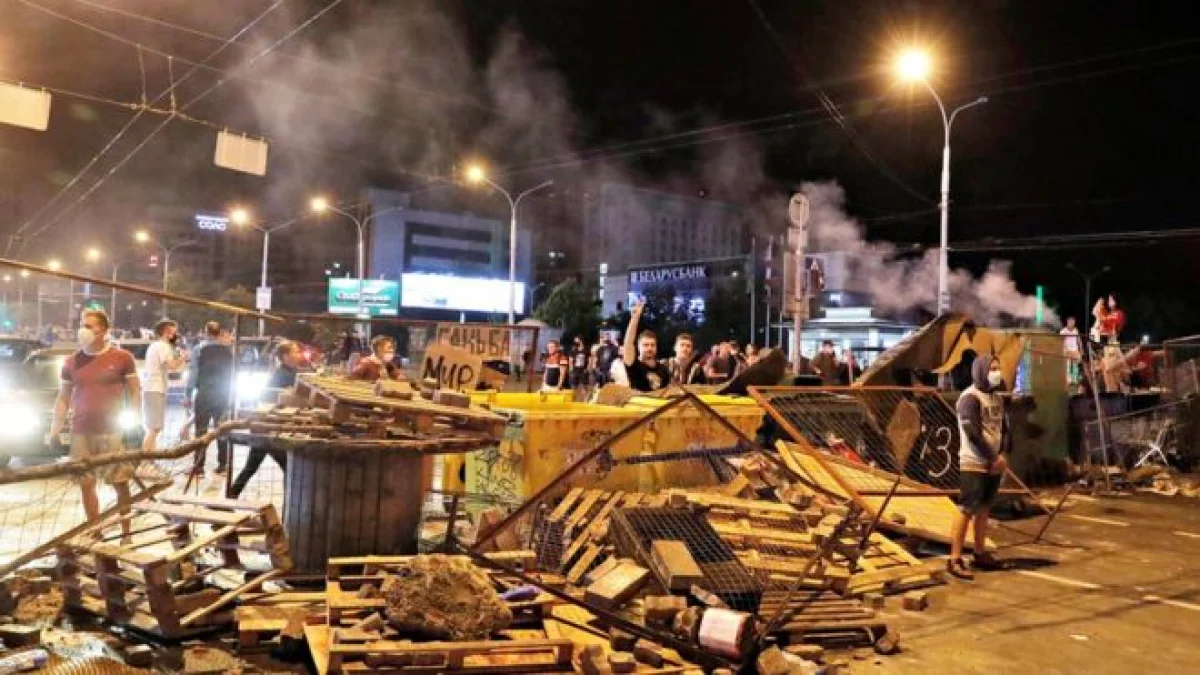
443 597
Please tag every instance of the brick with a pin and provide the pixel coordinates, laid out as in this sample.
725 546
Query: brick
874 600
706 598
807 652
595 666
648 653
889 643
916 601
675 564
771 661
620 641
617 587
139 656
662 609
451 398
622 662
677 500
687 624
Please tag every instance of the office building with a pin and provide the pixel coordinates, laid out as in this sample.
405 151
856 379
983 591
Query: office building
632 234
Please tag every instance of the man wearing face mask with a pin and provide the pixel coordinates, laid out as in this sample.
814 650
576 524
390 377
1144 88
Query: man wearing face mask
380 365
161 359
983 430
98 382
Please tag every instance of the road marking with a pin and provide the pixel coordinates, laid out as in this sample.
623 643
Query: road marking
1061 580
1082 498
1192 535
1173 603
1103 521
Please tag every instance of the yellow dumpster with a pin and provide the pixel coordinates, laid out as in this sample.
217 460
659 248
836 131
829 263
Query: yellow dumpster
519 400
544 439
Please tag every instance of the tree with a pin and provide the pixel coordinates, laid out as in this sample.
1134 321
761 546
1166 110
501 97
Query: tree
571 308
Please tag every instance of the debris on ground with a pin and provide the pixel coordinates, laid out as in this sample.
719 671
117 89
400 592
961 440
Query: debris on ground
443 597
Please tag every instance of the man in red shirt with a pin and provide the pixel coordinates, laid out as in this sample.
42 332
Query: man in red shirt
380 365
98 382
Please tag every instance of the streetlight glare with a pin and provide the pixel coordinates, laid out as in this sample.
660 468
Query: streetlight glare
475 173
239 216
141 236
93 254
914 64
54 265
24 274
318 204
7 278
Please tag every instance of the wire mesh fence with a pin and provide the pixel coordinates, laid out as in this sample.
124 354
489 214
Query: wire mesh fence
1182 366
1157 435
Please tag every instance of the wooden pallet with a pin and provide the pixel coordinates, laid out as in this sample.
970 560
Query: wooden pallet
156 583
349 399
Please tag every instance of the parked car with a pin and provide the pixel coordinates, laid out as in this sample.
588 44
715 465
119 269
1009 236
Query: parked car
27 409
13 351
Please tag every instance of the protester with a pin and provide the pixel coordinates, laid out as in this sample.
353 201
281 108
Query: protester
752 354
98 382
1072 350
554 374
848 370
210 389
641 356
826 364
984 443
282 376
606 355
684 366
1114 321
722 367
616 370
381 364
579 364
162 358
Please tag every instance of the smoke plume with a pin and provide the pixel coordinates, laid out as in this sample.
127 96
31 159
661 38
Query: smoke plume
897 283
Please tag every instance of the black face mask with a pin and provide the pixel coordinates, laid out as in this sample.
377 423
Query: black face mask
173 339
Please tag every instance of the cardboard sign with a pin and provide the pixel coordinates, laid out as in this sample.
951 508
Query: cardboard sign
486 342
453 368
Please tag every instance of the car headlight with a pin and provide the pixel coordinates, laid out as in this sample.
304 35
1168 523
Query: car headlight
18 420
128 420
250 385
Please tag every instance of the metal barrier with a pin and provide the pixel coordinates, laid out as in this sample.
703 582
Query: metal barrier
1182 360
1145 436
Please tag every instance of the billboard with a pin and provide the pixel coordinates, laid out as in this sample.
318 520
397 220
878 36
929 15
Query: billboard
380 297
461 294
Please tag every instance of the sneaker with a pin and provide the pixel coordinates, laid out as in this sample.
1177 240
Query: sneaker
957 568
985 561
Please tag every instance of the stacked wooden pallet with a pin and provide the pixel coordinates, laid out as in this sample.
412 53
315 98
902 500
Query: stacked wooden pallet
155 583
353 402
342 645
770 539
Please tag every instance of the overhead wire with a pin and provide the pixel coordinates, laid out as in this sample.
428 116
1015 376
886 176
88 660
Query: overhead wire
119 135
285 55
832 109
154 132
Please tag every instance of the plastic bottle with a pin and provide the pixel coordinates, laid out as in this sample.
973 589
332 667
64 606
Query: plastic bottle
24 662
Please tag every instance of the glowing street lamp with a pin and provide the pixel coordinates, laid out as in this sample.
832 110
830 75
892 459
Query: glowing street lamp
93 254
915 65
242 217
54 264
475 174
239 216
318 204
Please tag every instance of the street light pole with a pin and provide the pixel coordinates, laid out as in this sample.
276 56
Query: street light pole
1087 287
512 238
943 296
320 204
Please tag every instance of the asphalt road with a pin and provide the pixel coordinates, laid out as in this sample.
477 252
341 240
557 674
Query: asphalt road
1117 590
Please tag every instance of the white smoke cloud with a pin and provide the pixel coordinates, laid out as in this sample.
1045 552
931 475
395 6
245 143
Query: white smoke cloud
897 283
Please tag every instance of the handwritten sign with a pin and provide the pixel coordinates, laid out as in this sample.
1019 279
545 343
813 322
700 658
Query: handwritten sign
453 368
486 342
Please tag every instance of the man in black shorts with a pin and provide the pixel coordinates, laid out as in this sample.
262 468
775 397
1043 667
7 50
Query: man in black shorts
984 443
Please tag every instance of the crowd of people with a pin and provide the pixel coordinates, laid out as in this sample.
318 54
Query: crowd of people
1115 369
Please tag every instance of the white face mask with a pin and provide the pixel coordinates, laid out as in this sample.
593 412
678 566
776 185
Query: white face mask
995 378
86 337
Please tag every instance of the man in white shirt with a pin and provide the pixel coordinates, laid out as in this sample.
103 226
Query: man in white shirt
161 359
1072 351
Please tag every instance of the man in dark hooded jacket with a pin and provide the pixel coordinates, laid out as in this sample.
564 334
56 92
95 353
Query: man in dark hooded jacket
983 433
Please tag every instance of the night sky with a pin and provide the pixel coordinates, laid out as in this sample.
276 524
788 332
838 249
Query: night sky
1089 127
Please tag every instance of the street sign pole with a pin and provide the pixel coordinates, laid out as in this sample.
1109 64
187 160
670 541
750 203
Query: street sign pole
798 211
